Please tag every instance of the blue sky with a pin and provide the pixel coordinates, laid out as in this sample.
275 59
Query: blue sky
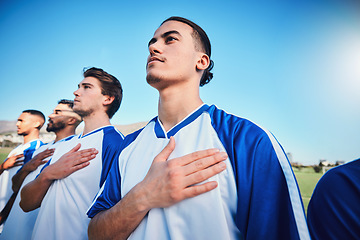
292 67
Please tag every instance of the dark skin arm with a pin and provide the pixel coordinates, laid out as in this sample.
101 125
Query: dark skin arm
6 210
30 166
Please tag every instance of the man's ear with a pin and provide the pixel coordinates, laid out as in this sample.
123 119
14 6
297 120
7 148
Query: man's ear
72 121
108 100
203 62
37 124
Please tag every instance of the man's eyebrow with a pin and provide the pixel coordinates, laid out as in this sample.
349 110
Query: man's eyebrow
169 33
164 35
85 84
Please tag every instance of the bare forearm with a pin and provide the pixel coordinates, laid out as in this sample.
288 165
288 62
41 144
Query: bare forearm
34 192
119 221
2 168
6 210
18 179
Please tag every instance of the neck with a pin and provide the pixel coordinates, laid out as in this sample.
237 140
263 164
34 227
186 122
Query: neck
31 136
65 132
93 122
177 103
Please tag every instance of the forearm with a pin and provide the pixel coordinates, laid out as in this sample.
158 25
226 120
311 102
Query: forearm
6 210
18 179
2 168
121 220
33 193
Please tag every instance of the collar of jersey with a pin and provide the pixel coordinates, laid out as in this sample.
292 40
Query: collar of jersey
160 131
95 131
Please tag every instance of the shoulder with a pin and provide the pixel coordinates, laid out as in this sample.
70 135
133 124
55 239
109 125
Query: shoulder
112 136
132 136
232 125
43 148
35 144
111 131
340 176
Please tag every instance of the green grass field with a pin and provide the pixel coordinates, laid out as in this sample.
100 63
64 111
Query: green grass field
3 153
306 178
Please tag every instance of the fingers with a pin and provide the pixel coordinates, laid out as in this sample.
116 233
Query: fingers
19 162
194 157
80 166
43 162
205 162
165 153
19 156
199 189
202 175
48 152
84 156
76 148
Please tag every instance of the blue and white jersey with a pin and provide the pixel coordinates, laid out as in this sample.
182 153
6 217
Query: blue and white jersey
62 213
19 224
334 211
5 178
257 195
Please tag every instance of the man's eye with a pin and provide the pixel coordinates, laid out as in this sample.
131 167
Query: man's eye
170 39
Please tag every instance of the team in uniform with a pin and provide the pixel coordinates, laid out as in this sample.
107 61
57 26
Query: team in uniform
17 217
236 181
67 200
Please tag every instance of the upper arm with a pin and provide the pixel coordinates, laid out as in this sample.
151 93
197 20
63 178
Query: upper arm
110 192
333 210
268 195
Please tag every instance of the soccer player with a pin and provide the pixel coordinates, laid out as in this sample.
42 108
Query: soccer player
66 188
28 125
170 182
63 122
333 211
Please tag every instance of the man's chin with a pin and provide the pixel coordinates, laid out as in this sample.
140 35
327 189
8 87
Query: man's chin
82 113
151 79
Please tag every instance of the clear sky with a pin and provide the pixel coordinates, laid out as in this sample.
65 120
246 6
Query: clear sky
292 67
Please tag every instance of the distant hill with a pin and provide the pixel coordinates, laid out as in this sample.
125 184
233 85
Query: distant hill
130 128
10 127
124 129
7 126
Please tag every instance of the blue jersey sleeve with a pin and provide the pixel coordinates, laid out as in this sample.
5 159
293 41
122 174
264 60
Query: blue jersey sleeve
110 192
269 204
333 211
28 153
110 151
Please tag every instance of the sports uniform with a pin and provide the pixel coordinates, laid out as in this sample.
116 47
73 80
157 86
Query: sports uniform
19 224
62 213
333 211
257 195
5 178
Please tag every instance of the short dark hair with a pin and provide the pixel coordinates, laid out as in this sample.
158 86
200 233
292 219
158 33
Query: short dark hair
110 86
36 113
201 38
70 103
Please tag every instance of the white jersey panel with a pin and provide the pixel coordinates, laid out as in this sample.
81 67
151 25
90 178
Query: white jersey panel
216 222
5 178
63 210
19 224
